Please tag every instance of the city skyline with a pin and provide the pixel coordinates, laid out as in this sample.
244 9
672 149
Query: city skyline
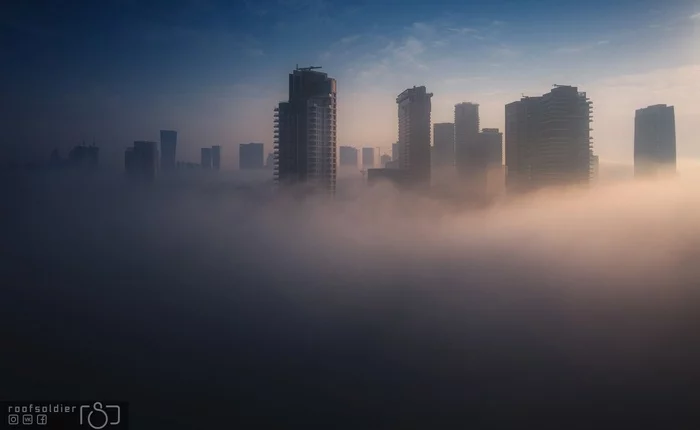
206 102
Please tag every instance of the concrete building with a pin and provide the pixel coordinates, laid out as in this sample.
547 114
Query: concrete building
414 108
444 144
654 140
142 160
216 157
492 141
369 158
270 162
548 140
395 151
348 156
168 149
251 156
205 159
466 140
305 132
84 157
595 166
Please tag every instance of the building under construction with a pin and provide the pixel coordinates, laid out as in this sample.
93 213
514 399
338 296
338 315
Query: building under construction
548 141
305 132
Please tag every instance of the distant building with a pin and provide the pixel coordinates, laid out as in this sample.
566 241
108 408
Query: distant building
84 157
414 107
251 156
216 157
368 158
492 140
654 140
385 159
548 140
142 160
205 160
168 149
466 131
305 133
270 162
393 164
348 156
444 144
395 151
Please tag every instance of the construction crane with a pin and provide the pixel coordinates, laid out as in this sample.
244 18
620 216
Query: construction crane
306 69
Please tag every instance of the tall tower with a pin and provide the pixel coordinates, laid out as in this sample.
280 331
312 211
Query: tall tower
444 144
168 148
414 106
466 136
305 132
206 158
216 157
548 139
654 140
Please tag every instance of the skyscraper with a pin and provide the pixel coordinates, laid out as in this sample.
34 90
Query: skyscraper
142 160
414 108
168 148
654 140
206 158
466 138
305 132
216 157
549 137
444 144
348 156
368 158
251 156
492 141
395 151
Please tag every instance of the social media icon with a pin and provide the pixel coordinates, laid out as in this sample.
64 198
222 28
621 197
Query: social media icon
13 419
27 419
41 419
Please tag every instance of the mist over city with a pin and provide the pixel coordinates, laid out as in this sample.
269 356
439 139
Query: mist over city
251 231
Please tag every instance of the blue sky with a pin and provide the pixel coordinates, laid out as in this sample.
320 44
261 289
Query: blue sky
119 71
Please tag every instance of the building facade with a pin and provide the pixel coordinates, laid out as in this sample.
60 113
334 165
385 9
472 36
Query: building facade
205 158
348 156
168 149
142 160
414 108
466 140
654 140
251 156
369 158
305 133
548 141
444 144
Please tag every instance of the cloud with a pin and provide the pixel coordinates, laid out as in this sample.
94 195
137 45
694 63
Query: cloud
205 286
695 16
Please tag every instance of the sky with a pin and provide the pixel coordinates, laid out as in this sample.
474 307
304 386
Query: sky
120 70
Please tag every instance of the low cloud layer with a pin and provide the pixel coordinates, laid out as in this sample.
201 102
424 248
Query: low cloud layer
210 301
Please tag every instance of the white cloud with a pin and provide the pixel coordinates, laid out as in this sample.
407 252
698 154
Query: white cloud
695 16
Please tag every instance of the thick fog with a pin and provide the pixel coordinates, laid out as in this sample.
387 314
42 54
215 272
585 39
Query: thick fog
206 301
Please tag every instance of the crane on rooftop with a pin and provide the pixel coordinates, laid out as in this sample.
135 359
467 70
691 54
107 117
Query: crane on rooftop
306 69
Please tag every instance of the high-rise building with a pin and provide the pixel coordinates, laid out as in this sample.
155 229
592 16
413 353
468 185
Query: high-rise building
395 151
305 132
368 157
466 140
384 160
270 162
168 148
414 108
654 140
205 158
216 157
251 156
595 166
444 144
348 156
142 160
492 141
549 140
84 157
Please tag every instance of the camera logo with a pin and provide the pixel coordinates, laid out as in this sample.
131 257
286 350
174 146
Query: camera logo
13 419
98 416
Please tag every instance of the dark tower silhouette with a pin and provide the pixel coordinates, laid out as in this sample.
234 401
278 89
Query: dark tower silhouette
216 157
654 140
168 149
305 132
